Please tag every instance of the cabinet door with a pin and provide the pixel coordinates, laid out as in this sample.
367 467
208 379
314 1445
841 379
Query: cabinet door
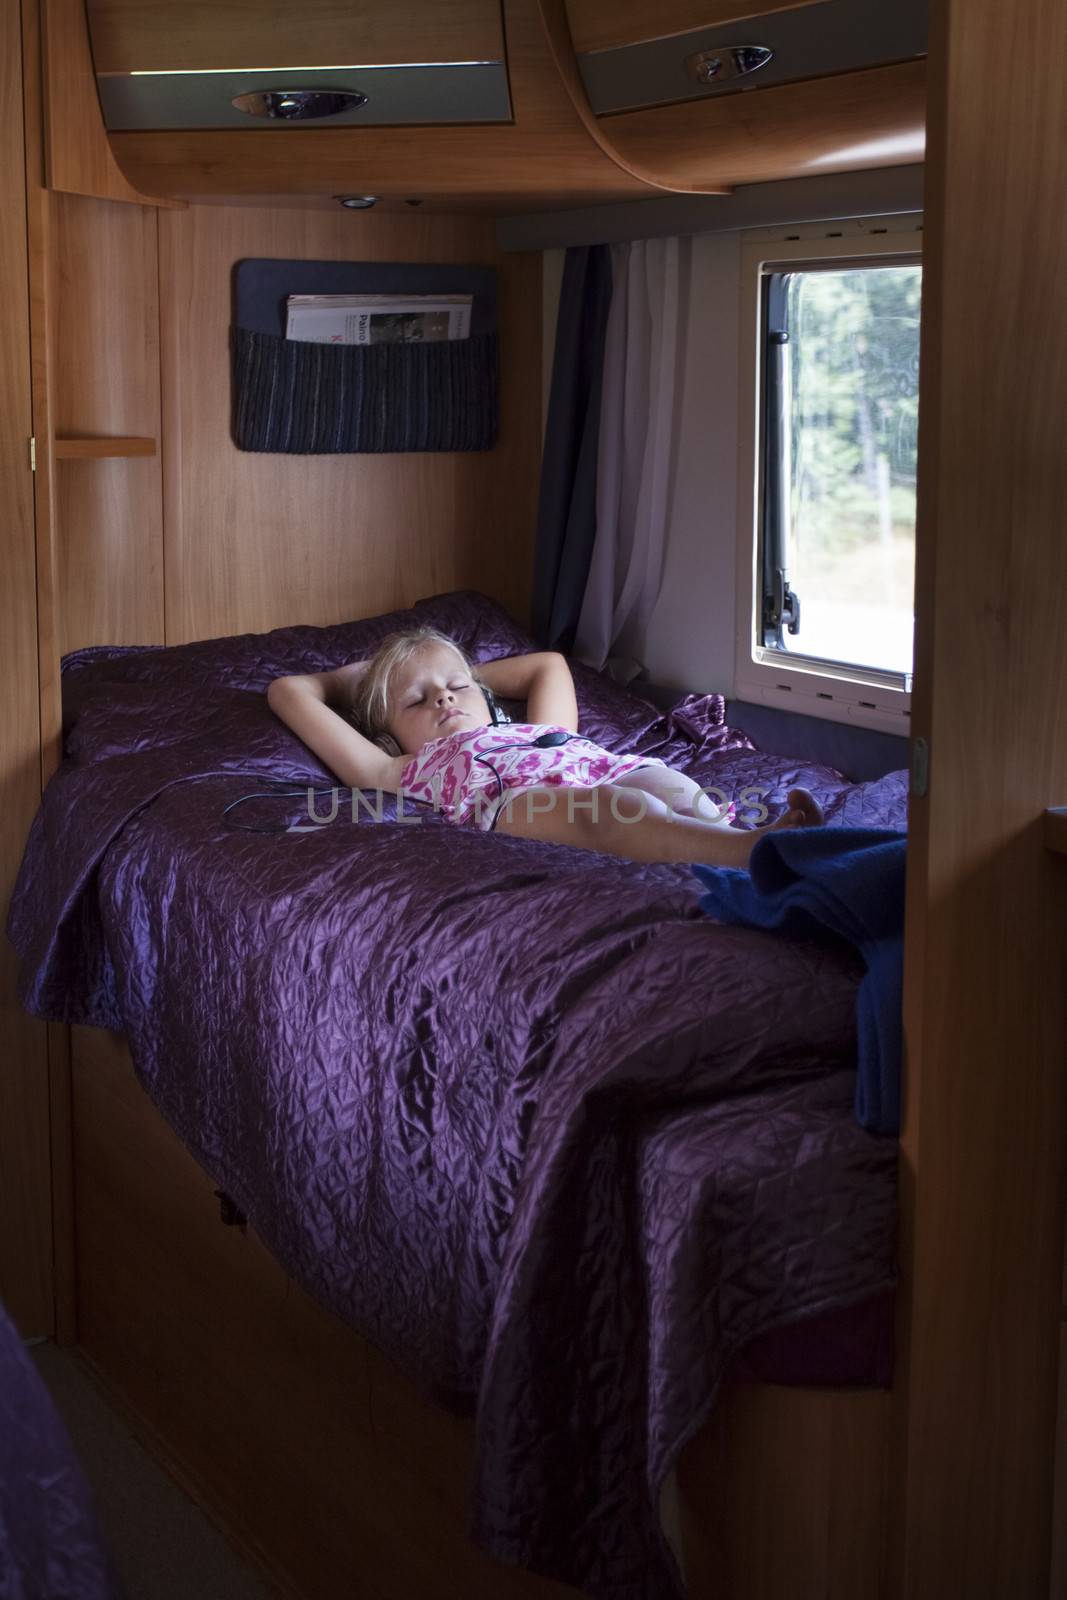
205 63
227 35
611 24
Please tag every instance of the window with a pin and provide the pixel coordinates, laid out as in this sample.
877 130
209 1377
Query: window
831 542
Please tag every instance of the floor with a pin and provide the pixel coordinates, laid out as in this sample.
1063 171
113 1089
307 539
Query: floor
163 1545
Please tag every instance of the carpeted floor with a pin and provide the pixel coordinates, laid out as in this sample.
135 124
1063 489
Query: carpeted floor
164 1547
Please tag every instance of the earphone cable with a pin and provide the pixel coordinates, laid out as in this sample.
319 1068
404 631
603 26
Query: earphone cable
277 794
544 741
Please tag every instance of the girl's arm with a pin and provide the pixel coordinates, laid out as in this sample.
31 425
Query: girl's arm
543 680
304 703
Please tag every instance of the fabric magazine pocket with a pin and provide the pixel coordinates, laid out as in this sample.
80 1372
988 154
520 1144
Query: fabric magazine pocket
293 398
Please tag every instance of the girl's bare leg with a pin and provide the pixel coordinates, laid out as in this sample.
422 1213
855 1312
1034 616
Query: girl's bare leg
681 794
640 827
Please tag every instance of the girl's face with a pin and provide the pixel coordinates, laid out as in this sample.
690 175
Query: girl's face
431 696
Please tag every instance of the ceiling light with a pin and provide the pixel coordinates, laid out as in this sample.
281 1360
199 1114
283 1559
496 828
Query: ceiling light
357 202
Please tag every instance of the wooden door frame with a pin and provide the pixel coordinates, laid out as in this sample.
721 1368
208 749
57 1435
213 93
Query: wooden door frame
983 1151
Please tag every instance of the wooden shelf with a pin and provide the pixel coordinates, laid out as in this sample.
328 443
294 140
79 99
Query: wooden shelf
87 449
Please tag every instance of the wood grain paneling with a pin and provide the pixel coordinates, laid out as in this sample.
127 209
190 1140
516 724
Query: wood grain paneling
330 1467
111 559
985 1135
93 340
554 17
257 541
198 35
25 1204
55 1178
106 319
39 242
542 159
105 380
308 1445
606 24
841 124
78 157
783 1494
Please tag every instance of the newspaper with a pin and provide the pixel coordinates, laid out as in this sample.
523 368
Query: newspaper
377 318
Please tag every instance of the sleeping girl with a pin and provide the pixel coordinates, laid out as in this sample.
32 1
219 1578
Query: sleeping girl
420 721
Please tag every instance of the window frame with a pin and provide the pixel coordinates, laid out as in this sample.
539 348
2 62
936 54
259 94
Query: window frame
828 690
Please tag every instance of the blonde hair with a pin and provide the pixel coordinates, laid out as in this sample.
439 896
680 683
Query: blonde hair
370 699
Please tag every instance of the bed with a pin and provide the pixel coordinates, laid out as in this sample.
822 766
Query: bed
562 1149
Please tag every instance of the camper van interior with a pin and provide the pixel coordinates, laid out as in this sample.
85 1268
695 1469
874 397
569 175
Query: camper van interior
410 412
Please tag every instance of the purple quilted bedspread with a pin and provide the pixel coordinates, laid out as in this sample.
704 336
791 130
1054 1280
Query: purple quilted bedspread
522 1114
50 1546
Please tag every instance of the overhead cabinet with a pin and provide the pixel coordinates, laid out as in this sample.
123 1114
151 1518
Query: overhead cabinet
644 55
589 102
160 65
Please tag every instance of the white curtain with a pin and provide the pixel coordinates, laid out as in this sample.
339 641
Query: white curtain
644 370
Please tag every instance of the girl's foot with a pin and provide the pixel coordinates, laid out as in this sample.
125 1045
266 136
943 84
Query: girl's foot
804 812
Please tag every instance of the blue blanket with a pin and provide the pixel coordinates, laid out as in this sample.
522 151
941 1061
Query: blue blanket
848 882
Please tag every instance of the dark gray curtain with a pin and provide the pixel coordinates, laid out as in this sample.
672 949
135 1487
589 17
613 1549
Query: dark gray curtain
566 518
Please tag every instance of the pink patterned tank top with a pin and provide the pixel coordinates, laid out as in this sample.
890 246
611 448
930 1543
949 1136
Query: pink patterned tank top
469 775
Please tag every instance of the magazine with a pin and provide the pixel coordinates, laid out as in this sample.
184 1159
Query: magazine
377 318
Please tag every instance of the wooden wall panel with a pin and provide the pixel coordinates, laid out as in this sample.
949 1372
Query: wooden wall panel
39 242
329 1465
985 1136
741 1478
105 381
25 1203
106 323
256 541
310 1447
160 36
110 554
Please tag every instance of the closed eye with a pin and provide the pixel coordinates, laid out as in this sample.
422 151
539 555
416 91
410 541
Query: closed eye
418 701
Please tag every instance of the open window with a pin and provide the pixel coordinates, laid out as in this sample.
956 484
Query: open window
828 534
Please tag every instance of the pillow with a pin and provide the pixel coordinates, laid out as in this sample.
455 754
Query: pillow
120 699
251 660
220 728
